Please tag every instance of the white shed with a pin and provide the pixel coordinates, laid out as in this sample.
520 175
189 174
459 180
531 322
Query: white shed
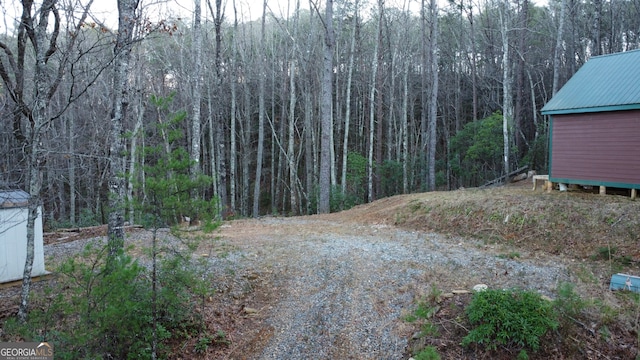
13 237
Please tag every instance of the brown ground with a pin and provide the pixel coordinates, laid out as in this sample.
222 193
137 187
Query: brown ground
569 228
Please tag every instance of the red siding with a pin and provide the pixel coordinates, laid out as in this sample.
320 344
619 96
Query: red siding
602 147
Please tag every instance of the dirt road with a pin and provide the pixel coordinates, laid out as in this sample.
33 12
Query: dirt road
337 287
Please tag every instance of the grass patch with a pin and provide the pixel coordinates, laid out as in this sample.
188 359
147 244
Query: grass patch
511 255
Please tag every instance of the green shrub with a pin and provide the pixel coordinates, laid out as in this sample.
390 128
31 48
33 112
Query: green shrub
569 304
390 174
477 151
510 318
88 218
94 313
604 253
422 312
428 353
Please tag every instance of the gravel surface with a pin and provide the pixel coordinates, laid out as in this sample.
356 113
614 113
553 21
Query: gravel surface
339 289
343 288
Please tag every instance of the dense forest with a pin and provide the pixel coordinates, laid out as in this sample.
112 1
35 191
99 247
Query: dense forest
330 104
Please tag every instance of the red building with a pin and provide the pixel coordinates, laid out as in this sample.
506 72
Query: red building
595 124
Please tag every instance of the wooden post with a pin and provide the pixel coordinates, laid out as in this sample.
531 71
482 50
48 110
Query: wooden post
634 193
603 190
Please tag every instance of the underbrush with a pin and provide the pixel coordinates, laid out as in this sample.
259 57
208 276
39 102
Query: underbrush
117 309
599 233
521 324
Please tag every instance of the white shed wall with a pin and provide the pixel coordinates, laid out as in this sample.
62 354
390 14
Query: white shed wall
13 244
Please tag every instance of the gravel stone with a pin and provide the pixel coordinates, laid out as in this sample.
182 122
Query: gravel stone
343 288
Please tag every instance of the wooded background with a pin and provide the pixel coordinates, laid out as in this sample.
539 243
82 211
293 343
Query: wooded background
436 99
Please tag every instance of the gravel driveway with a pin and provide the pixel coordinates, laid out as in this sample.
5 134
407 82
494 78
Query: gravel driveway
341 288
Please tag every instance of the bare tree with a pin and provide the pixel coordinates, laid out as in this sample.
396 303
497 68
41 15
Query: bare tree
558 48
347 112
291 154
233 121
374 82
261 114
117 155
405 129
424 82
326 112
474 65
197 92
216 123
507 96
37 34
433 102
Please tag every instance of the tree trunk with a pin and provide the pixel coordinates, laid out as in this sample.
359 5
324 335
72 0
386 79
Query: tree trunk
474 67
326 113
293 174
35 154
405 129
424 72
35 180
597 26
507 97
534 108
117 156
35 185
520 140
246 158
433 103
308 145
379 83
232 119
372 105
261 114
133 153
214 159
72 171
196 127
347 112
246 151
558 49
216 125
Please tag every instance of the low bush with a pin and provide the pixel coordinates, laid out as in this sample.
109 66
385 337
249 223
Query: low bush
94 311
513 318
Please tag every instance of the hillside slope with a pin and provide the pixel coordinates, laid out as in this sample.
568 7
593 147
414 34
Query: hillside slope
575 224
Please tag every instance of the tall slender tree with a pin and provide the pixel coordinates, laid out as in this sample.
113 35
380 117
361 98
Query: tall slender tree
347 111
372 101
507 96
433 101
326 111
196 82
216 123
262 112
291 154
232 118
558 48
117 155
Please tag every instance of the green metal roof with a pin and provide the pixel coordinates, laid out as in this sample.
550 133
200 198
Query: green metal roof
604 83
